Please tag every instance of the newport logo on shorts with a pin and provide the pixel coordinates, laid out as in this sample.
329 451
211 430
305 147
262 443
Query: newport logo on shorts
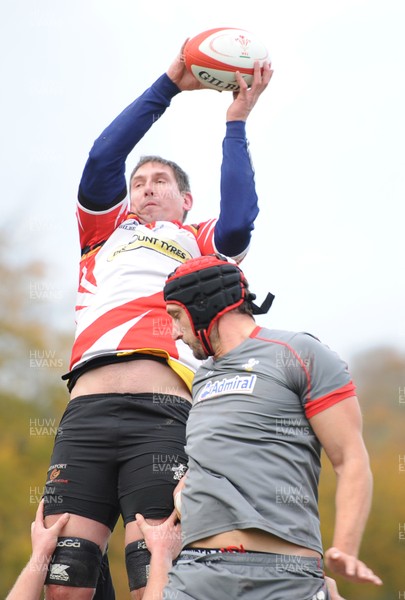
239 384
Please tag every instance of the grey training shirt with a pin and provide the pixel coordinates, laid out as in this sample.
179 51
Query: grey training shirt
254 461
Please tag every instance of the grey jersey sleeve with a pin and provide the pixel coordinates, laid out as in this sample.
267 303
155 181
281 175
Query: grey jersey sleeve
317 374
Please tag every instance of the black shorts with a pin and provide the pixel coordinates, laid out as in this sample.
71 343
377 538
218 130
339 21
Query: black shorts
118 454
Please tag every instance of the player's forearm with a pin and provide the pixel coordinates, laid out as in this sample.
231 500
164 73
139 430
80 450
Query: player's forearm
239 202
353 502
161 563
103 181
31 580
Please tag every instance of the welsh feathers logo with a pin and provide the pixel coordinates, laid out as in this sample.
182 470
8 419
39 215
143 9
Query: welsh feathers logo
244 43
251 363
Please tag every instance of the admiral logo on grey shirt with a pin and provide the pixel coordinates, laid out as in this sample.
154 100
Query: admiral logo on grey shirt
238 384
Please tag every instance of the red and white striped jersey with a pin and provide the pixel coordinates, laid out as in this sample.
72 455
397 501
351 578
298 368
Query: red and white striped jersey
120 308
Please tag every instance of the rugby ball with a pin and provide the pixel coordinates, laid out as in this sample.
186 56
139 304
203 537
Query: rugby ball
214 55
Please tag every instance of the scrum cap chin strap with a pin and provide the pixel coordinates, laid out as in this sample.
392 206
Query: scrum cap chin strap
207 287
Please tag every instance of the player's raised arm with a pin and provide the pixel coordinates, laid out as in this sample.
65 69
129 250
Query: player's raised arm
239 202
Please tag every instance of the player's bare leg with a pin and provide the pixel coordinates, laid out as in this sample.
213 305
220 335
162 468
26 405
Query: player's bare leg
82 542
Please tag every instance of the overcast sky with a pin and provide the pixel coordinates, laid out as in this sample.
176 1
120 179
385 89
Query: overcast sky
326 138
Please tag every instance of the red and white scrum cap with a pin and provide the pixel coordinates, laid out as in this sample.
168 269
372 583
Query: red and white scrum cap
207 287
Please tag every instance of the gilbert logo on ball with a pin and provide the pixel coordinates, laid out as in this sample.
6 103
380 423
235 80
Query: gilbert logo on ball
213 56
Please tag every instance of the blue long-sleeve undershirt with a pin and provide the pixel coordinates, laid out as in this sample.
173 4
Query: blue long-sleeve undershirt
103 183
239 202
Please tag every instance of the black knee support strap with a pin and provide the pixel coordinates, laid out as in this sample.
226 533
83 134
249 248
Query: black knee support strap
137 559
75 562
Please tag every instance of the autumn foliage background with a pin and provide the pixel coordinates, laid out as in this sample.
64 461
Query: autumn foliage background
34 353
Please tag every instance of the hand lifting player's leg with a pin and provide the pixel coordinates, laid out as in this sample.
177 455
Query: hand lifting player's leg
164 543
77 559
29 585
166 540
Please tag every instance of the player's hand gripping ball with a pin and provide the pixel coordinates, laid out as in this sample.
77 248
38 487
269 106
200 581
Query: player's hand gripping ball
213 56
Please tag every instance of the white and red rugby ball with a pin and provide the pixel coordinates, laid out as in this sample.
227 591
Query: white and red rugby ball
214 55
